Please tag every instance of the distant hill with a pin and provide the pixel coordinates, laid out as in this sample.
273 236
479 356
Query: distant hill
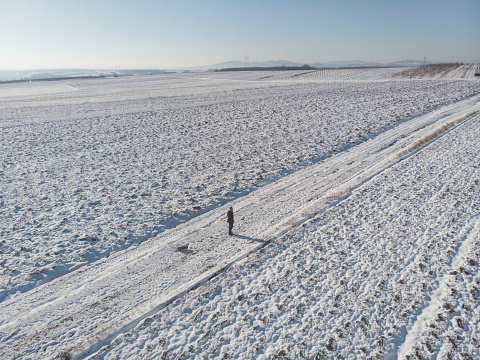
340 64
11 75
242 64
410 63
278 63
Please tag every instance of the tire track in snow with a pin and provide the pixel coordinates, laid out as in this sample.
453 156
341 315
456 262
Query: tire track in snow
408 344
438 295
115 295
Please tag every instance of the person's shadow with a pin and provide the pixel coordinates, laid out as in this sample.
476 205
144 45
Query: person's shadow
250 239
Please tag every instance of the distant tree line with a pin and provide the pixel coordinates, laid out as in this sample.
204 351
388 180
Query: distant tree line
272 68
302 67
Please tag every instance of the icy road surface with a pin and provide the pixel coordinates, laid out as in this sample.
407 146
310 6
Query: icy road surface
86 309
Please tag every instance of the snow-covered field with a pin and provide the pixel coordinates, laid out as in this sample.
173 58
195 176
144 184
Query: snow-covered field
90 168
389 272
440 71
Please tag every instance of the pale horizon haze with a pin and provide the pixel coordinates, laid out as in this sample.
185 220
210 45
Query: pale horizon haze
147 34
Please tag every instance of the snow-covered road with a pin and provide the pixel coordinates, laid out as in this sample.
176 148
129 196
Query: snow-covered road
88 308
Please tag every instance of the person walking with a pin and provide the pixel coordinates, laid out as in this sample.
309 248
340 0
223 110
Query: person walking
230 220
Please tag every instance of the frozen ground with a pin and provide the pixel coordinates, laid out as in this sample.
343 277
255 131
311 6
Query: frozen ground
389 272
91 167
89 171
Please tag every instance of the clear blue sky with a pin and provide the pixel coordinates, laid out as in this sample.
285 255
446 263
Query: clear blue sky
179 33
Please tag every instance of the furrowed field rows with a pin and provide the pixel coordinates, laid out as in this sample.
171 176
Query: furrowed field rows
111 300
83 178
389 272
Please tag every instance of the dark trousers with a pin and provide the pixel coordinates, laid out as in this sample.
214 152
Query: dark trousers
230 227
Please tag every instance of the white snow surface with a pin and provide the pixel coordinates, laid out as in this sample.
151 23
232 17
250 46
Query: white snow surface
356 207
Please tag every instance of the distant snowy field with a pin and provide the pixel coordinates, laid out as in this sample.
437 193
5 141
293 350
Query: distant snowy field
92 167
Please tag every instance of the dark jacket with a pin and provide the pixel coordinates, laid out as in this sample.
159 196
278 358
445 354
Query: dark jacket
230 216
